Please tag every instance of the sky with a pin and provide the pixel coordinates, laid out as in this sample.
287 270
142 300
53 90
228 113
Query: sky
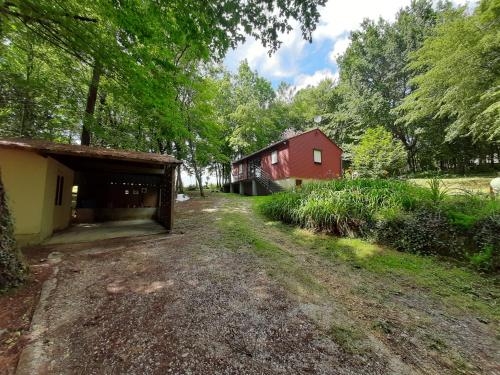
301 63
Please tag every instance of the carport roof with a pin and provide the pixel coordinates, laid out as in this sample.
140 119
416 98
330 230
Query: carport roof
52 148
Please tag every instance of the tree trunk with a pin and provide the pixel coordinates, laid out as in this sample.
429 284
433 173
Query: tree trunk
197 172
27 108
198 176
180 186
90 107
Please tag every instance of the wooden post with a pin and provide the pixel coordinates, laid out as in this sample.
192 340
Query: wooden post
167 197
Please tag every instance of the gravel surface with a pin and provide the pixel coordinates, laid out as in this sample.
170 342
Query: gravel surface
182 303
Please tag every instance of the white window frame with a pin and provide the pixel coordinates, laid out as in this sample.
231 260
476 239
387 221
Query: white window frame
274 157
240 168
316 153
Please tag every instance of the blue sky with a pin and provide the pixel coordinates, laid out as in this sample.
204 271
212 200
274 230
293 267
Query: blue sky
301 63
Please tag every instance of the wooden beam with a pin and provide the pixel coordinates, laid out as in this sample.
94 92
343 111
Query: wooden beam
167 197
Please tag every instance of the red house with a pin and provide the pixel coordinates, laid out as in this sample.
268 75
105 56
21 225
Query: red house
307 156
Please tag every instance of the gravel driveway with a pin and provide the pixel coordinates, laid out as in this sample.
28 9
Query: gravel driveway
183 303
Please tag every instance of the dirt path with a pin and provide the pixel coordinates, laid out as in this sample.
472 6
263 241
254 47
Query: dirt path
203 300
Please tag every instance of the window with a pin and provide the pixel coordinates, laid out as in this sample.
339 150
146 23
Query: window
317 156
240 169
274 157
59 190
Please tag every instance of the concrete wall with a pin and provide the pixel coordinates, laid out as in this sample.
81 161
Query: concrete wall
89 215
24 178
30 184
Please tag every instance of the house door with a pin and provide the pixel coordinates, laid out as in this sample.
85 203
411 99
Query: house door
254 167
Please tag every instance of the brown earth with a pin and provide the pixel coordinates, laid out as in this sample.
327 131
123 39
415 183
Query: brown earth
189 303
16 310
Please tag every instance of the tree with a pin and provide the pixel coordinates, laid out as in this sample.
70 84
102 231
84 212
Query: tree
374 68
459 79
140 43
204 138
378 154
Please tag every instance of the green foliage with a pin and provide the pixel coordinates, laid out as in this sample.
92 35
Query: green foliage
437 190
407 217
425 231
344 207
12 269
459 78
378 154
486 235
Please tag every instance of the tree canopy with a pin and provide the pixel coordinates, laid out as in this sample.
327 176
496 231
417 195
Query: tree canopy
147 75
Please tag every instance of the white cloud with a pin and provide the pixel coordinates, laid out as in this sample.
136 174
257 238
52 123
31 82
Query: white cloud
338 18
339 48
283 63
304 80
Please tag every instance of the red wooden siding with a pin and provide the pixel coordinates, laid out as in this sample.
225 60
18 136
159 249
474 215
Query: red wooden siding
281 169
296 159
302 164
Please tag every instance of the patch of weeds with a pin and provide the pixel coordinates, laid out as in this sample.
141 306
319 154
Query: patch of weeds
384 326
240 233
350 340
436 343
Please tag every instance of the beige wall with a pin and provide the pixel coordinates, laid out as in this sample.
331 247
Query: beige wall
57 217
29 181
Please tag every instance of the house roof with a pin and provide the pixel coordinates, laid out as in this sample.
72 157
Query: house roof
52 148
283 141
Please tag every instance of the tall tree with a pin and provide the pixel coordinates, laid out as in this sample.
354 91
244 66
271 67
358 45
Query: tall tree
460 78
374 66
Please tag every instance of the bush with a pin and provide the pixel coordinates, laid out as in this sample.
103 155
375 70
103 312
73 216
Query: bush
11 267
486 236
378 154
425 231
344 207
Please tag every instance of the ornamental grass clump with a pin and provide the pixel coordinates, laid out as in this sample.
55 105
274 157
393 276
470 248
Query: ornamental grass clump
343 207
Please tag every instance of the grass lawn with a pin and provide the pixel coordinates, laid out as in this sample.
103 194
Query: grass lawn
460 184
418 305
453 283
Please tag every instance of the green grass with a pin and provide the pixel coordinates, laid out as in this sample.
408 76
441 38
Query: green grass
239 233
457 286
351 340
448 281
459 185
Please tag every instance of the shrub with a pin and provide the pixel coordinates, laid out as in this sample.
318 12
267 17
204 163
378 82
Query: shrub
11 266
344 207
486 236
378 154
425 231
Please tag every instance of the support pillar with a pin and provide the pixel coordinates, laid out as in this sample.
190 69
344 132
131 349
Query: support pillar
167 197
231 187
254 187
242 188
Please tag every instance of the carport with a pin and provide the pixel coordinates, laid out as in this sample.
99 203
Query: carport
81 184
